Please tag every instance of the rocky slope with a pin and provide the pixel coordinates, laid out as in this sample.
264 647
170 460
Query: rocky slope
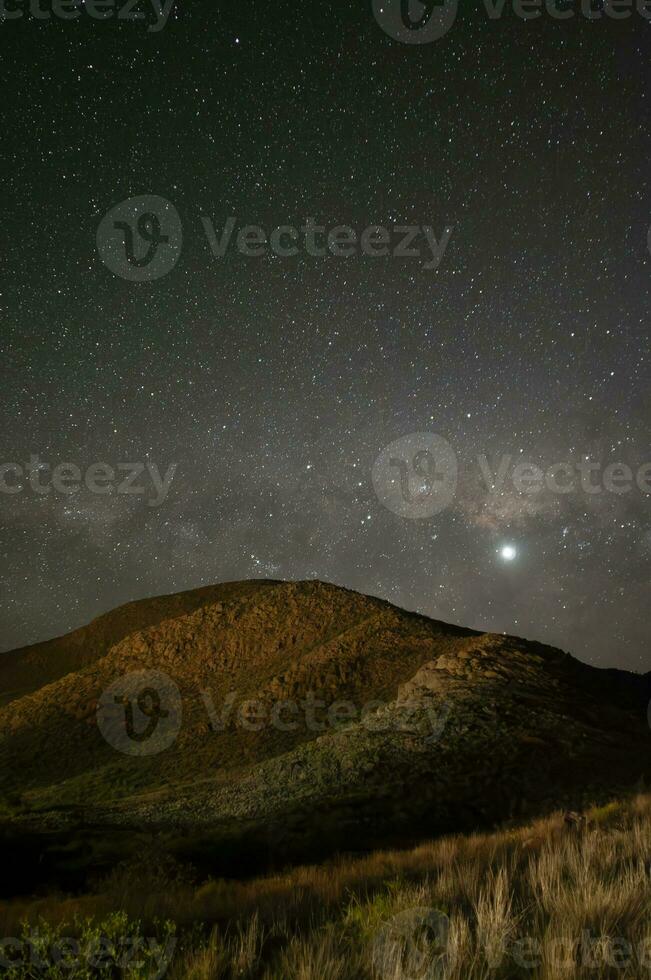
27 669
302 716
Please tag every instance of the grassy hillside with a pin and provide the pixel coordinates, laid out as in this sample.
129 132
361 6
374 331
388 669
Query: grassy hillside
544 901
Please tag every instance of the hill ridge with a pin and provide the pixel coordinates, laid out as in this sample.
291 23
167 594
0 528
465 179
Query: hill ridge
444 728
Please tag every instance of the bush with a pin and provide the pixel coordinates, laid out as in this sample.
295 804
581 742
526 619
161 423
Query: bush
88 949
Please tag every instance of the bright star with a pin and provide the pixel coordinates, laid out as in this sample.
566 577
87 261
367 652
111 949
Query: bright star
508 552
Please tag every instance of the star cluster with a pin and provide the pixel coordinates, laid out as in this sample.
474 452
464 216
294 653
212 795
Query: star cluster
273 384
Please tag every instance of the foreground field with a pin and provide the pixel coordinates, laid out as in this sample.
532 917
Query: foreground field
549 900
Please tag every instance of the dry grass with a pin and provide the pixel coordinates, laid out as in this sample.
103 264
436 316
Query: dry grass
542 902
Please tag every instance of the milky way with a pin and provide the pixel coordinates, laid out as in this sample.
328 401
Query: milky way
272 384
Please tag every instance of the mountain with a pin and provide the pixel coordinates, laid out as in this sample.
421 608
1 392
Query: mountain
31 667
284 719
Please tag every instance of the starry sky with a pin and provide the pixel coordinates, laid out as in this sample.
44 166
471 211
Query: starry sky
273 384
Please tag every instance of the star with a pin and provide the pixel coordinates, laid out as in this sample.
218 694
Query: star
274 383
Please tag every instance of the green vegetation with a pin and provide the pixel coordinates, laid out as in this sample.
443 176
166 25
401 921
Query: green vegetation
85 949
546 901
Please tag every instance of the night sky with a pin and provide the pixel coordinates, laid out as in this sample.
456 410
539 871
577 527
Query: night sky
273 384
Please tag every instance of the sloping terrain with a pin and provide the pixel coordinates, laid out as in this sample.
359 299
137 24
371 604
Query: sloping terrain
276 642
313 717
27 669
